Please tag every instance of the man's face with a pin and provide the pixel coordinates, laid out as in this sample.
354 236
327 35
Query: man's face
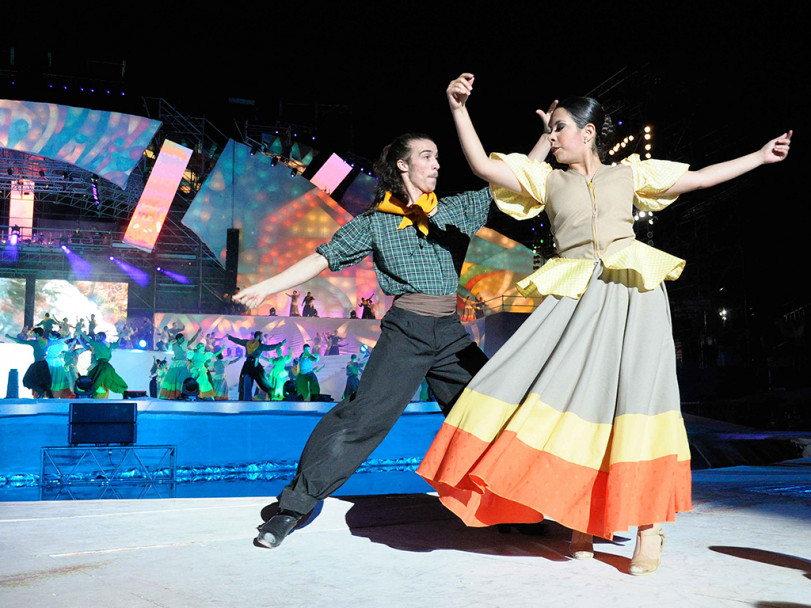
421 168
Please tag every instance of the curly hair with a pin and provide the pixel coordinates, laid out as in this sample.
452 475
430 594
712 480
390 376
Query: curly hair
388 175
585 110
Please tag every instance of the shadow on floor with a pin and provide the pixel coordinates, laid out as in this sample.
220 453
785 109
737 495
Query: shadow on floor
419 522
768 557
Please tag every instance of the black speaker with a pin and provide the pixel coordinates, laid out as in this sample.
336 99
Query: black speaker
102 423
231 259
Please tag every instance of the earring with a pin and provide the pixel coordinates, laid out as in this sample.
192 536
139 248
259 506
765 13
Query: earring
585 140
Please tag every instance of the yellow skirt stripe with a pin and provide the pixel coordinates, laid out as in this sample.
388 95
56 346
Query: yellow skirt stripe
631 438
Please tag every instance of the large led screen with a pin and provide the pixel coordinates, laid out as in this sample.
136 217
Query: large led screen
282 219
108 144
81 299
159 192
12 306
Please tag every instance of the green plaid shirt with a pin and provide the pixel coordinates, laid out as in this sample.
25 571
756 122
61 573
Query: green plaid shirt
405 261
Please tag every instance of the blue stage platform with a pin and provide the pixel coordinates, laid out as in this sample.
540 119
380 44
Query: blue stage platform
224 448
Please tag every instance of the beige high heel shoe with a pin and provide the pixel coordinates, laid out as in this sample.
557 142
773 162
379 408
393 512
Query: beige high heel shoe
647 559
582 545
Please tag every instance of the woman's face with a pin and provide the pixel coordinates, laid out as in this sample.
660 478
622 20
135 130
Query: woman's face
567 139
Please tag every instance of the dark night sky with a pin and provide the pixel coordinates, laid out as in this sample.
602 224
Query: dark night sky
716 79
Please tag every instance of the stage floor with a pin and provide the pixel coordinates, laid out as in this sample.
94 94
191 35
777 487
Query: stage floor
747 543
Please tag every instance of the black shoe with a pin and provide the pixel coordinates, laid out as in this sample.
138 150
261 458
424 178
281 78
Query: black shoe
269 511
276 529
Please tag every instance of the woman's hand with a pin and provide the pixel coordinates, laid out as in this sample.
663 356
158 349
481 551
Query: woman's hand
777 149
546 117
459 90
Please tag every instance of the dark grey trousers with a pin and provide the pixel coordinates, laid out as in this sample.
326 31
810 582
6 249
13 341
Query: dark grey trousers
411 347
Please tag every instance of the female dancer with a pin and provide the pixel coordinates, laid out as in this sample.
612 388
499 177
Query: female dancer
61 383
156 375
172 385
217 368
198 357
103 374
588 429
293 303
37 377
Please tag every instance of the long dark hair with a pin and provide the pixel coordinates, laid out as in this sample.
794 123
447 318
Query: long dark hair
585 110
388 175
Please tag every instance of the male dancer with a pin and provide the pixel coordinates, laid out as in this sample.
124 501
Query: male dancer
418 245
252 368
306 380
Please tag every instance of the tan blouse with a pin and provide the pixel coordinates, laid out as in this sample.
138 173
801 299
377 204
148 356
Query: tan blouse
593 220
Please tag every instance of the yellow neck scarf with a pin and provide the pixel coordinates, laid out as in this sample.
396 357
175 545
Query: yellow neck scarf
414 214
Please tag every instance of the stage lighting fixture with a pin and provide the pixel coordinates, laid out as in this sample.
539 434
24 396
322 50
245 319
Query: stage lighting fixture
294 172
274 160
142 343
254 150
158 269
83 387
190 390
94 187
111 258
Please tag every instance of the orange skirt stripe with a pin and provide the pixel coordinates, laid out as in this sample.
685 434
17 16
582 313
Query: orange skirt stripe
540 484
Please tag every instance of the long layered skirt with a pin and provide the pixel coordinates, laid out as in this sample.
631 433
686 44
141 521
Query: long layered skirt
106 379
61 383
576 418
200 374
220 387
172 385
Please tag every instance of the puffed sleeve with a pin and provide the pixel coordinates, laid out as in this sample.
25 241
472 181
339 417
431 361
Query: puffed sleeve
652 178
532 175
349 245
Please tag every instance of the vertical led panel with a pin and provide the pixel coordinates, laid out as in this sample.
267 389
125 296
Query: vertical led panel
21 207
159 192
331 173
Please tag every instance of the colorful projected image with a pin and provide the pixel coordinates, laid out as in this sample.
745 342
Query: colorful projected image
109 144
494 264
12 306
281 220
81 299
159 192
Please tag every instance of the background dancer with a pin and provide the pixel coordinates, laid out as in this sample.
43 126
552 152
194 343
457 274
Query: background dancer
252 368
293 303
172 385
368 311
198 358
217 367
279 373
306 381
418 244
577 417
61 383
37 377
309 309
103 374
353 370
156 375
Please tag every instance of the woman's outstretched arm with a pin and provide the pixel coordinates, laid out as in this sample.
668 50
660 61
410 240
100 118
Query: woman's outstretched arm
774 151
493 171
